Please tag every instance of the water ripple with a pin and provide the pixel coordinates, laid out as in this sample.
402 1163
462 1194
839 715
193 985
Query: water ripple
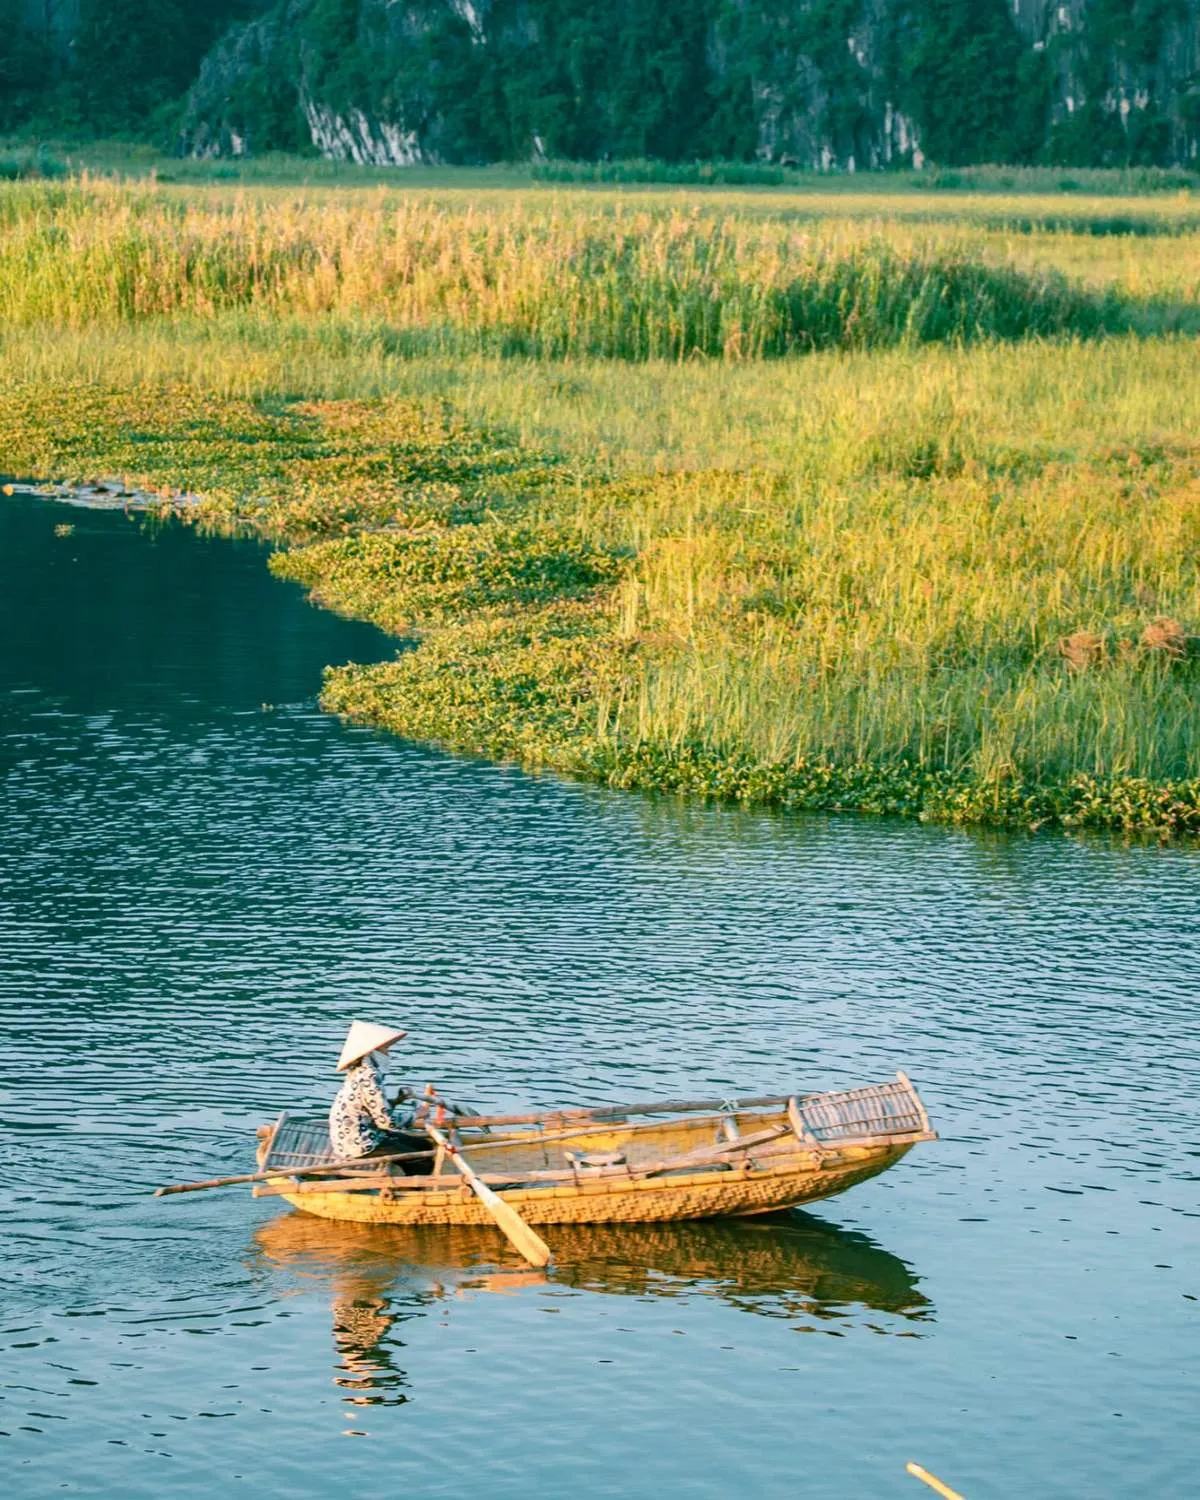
196 893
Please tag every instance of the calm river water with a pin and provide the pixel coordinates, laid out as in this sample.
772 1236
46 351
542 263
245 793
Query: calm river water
202 879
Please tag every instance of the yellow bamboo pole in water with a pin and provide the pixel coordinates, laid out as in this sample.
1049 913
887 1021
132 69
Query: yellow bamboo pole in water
932 1481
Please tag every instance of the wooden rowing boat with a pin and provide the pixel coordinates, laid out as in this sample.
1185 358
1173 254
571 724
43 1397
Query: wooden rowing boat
636 1163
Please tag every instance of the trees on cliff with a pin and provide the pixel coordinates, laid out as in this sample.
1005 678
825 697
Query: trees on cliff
823 82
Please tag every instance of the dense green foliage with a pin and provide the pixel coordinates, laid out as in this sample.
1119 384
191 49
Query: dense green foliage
131 58
718 80
1125 38
123 67
675 81
964 74
27 66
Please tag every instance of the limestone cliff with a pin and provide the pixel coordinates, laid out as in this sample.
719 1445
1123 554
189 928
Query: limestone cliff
828 84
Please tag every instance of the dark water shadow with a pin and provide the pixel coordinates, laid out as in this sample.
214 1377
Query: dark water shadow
119 613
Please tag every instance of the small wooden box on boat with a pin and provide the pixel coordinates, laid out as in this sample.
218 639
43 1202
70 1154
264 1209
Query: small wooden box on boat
616 1164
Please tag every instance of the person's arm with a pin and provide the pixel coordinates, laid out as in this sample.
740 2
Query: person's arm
375 1102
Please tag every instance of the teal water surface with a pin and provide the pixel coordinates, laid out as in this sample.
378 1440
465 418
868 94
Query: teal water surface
202 879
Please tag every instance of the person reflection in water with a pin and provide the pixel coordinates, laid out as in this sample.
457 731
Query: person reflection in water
362 1320
361 1122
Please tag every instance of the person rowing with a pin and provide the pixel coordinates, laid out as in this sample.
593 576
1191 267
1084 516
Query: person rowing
361 1121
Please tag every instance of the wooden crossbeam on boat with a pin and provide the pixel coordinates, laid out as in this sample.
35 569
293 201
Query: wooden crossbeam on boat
618 1112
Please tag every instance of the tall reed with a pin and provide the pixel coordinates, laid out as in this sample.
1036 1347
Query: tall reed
630 285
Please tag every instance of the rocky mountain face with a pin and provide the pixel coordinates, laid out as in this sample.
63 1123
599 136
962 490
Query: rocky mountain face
845 84
1119 72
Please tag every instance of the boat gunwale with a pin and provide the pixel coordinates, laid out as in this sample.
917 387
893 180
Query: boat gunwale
464 1127
744 1191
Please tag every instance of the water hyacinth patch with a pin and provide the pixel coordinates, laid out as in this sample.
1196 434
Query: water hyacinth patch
405 580
880 658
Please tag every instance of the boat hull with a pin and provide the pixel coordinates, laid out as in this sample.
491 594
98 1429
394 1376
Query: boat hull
736 1192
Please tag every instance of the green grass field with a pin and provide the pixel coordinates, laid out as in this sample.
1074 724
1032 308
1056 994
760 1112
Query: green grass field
858 495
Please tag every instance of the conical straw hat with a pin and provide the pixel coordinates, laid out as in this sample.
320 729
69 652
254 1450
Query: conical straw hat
364 1037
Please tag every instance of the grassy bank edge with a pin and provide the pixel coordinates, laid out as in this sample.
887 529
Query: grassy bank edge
521 654
534 691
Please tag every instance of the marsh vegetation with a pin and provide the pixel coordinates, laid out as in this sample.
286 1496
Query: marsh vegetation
782 497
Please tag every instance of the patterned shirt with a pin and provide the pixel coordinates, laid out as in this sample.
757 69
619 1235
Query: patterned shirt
360 1115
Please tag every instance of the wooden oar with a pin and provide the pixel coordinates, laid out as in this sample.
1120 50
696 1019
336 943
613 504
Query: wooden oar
932 1481
329 1166
521 1236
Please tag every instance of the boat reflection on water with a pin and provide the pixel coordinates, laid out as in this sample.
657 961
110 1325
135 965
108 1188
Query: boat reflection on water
791 1266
